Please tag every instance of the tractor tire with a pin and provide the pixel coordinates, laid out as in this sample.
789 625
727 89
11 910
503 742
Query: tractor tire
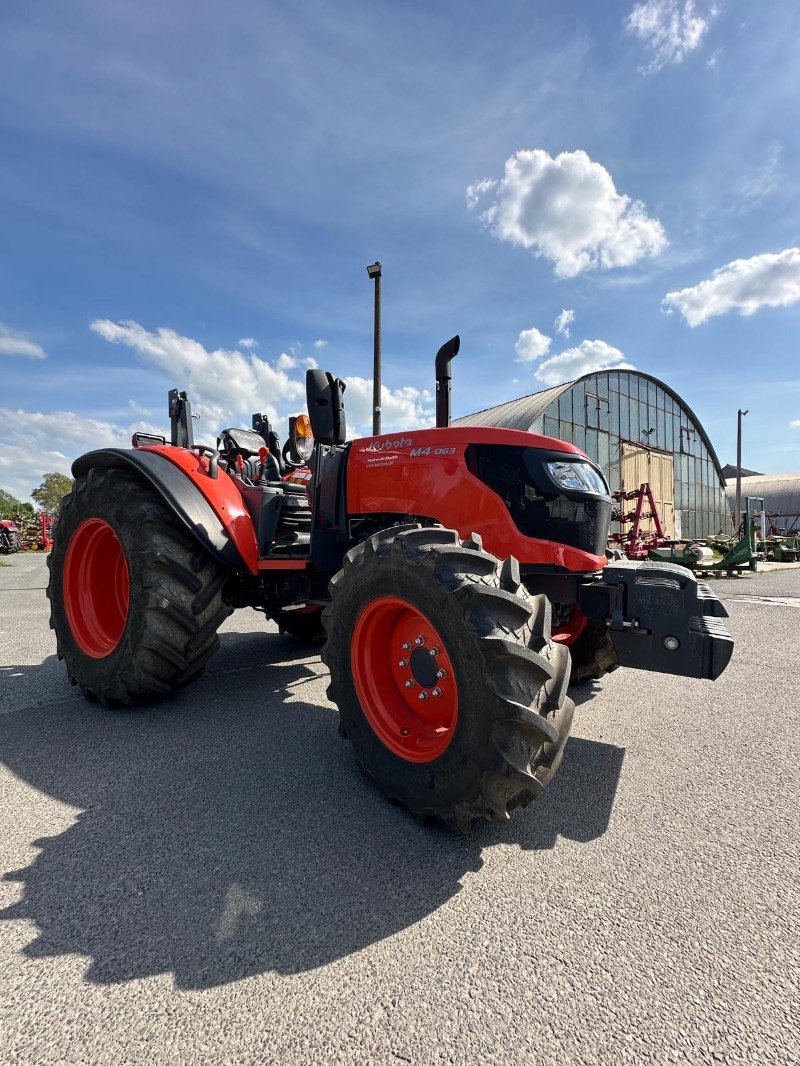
448 685
305 626
11 543
134 601
593 654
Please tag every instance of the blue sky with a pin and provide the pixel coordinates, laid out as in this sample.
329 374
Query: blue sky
190 193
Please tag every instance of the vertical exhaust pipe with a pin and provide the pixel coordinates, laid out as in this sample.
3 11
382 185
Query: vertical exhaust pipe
447 352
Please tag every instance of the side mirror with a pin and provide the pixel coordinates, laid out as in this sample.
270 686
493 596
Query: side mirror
325 400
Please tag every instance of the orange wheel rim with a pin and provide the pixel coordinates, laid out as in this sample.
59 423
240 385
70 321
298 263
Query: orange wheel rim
404 679
96 588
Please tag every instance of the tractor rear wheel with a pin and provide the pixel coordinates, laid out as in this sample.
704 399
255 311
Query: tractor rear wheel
448 685
134 601
11 542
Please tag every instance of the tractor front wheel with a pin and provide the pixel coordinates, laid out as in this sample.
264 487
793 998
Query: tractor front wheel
134 601
447 682
593 654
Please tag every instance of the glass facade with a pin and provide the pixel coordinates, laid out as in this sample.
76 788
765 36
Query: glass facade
602 412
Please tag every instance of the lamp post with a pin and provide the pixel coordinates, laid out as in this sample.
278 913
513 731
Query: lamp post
737 516
374 271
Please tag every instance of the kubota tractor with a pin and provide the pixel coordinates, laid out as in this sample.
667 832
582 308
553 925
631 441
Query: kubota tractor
10 537
458 573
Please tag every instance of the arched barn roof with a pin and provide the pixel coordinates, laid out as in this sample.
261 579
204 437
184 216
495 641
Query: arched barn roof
780 492
523 412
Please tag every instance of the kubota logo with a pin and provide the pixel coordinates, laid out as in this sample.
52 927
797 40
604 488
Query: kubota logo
390 445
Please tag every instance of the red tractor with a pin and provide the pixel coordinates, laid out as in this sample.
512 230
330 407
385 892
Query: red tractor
10 537
457 573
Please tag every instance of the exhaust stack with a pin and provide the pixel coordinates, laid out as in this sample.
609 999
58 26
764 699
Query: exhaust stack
447 352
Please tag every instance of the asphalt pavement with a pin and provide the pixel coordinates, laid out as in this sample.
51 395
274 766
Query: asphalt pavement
212 880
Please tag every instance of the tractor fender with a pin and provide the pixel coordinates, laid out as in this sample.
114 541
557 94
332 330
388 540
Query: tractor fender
210 509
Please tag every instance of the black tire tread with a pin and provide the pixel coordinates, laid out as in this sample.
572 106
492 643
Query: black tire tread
176 604
526 675
593 654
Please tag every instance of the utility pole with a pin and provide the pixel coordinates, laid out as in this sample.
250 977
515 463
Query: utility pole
375 271
738 516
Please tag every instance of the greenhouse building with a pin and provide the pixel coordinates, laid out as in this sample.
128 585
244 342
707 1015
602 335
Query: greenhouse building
638 430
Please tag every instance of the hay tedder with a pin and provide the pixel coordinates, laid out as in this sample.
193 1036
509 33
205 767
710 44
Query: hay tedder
456 575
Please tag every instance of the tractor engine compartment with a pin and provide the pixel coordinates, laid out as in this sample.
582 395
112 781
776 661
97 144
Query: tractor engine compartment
575 510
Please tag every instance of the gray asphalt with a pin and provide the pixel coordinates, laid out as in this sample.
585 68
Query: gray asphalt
213 881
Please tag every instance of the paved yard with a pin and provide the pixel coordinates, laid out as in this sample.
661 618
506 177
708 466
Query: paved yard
213 881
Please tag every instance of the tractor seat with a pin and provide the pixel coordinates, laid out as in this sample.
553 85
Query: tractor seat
244 442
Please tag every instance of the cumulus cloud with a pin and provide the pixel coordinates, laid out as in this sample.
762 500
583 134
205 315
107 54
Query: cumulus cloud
320 343
225 386
286 361
404 408
12 342
586 358
247 342
668 29
567 209
564 321
33 444
745 285
531 344
795 424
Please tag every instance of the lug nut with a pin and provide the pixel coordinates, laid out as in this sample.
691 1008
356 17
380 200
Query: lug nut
409 683
441 673
403 664
434 651
406 646
420 640
436 692
423 695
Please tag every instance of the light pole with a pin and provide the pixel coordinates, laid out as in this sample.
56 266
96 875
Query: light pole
374 271
738 515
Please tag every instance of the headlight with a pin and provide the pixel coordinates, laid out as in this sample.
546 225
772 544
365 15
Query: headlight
578 477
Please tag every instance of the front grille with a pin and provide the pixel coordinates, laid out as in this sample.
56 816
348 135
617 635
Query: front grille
518 476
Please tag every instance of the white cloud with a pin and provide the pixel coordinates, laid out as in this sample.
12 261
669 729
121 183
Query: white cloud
320 343
764 178
286 361
745 285
12 342
795 424
564 321
567 210
404 408
668 29
531 344
225 386
311 362
247 342
586 358
33 444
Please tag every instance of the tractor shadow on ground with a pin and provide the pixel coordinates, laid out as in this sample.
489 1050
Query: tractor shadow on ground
228 832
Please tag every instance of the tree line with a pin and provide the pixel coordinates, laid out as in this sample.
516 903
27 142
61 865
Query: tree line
48 496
